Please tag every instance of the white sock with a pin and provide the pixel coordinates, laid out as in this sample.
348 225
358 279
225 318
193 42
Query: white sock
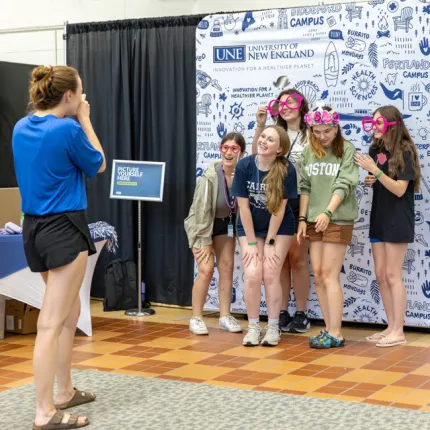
254 321
274 321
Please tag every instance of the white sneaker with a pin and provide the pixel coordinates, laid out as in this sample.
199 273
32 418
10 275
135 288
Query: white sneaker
252 338
272 337
198 326
230 324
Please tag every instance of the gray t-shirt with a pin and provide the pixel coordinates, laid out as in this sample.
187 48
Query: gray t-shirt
296 149
222 209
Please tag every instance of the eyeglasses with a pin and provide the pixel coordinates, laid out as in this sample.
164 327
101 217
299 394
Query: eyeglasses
381 124
325 133
292 102
234 148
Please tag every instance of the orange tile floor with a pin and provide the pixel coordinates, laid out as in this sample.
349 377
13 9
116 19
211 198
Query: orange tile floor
358 372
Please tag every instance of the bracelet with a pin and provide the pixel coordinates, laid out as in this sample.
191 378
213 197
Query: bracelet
302 219
379 174
329 213
252 243
261 126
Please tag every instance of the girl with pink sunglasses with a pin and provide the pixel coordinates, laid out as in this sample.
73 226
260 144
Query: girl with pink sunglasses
289 110
394 174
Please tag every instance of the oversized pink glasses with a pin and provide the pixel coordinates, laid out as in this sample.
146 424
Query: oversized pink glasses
381 124
292 102
234 148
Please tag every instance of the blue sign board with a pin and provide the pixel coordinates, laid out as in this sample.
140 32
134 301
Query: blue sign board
137 180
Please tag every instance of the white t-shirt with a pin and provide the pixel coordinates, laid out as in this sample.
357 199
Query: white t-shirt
297 147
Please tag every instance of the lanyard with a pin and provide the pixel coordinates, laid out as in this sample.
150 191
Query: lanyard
231 201
292 145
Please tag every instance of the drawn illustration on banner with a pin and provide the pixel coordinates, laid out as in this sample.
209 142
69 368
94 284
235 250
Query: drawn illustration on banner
354 56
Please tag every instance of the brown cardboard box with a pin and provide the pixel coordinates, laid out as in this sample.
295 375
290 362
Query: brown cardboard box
10 206
20 317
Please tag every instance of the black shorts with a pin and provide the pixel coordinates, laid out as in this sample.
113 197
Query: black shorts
221 226
294 204
52 241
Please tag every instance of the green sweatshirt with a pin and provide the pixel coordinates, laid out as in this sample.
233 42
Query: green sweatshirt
323 177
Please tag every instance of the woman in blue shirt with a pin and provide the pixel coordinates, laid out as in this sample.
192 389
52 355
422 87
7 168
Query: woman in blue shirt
51 154
262 184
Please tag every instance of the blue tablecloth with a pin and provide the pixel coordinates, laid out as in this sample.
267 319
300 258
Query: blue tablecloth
12 256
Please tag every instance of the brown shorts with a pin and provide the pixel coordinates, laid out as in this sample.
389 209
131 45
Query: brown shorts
334 233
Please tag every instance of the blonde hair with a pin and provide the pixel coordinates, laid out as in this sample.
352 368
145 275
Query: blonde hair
49 84
274 180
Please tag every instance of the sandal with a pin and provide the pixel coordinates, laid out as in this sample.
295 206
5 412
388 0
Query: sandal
391 341
375 338
328 341
55 423
79 398
313 339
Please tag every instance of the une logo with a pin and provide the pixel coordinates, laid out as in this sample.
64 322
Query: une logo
229 54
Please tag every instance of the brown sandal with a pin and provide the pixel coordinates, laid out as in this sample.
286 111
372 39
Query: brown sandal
79 398
55 423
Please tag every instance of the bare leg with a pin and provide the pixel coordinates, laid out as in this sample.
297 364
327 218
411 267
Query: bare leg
395 253
224 251
253 280
63 286
298 256
201 286
271 277
316 250
379 257
64 366
286 283
333 258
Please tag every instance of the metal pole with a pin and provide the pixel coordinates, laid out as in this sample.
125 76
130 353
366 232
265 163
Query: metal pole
139 312
65 42
31 29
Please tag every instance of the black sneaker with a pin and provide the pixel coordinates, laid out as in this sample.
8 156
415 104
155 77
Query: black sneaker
284 320
299 324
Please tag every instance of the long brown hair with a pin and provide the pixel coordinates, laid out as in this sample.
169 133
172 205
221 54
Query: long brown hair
49 84
338 143
398 141
304 109
274 180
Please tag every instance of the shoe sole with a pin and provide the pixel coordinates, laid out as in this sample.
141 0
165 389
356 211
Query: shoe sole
199 334
250 344
269 344
231 331
298 330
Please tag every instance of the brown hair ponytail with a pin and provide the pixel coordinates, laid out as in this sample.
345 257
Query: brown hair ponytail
49 84
274 180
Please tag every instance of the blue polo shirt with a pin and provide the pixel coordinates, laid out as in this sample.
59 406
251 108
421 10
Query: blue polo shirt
51 155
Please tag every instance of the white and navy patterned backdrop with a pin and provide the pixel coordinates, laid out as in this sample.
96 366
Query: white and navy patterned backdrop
355 57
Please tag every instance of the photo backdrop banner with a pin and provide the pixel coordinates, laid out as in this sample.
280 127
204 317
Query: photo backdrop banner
355 57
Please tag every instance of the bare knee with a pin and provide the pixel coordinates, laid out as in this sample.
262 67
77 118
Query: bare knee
380 275
318 279
392 276
206 272
327 275
253 276
270 277
50 324
225 268
298 263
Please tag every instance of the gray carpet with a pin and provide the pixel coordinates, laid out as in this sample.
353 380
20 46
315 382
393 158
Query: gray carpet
134 402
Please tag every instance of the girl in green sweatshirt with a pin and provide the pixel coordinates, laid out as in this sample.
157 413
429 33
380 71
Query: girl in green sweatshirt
328 208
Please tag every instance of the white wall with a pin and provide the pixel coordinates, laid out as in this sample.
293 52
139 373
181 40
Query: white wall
47 47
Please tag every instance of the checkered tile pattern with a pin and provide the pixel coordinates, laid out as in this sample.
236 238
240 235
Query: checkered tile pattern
358 372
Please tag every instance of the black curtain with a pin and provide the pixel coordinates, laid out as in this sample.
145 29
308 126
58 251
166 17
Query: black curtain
14 83
139 77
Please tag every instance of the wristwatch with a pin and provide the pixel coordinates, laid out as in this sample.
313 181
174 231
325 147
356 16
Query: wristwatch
270 242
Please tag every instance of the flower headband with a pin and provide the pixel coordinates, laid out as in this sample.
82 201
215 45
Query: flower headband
322 117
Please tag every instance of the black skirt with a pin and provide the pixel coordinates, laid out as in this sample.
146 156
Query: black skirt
53 241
